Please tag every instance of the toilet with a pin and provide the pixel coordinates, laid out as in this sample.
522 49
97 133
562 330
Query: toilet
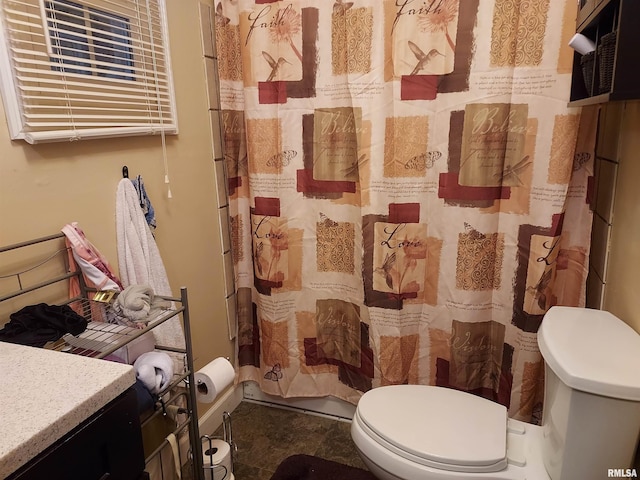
591 417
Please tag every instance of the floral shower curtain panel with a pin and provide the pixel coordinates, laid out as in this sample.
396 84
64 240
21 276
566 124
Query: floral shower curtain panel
408 191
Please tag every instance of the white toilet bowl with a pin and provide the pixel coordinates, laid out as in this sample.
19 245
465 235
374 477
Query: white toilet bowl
418 432
591 417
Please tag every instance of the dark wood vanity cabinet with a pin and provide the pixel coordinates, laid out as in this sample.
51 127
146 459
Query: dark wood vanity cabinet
107 446
612 72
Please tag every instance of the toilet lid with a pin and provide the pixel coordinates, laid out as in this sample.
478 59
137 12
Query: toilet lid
439 427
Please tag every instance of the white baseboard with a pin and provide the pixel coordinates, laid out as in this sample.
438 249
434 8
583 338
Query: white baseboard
227 402
323 406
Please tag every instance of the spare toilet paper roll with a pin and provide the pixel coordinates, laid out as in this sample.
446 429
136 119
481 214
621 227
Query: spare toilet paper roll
213 378
582 44
216 458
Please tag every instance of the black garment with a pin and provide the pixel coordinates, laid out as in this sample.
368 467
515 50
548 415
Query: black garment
36 325
146 400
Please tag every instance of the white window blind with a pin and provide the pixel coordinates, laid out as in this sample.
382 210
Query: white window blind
85 69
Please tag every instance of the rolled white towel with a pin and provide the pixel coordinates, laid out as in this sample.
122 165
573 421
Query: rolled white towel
154 370
134 302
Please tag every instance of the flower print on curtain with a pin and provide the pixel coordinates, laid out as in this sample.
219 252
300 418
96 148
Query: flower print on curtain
408 192
403 265
274 52
423 37
270 251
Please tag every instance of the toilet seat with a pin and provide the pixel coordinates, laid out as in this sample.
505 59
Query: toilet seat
437 427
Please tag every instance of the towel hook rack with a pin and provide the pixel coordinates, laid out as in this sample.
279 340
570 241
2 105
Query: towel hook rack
125 172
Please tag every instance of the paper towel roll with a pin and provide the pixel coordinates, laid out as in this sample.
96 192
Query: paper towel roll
213 378
216 460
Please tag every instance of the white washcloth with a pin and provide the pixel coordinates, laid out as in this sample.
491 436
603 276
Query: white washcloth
154 370
139 259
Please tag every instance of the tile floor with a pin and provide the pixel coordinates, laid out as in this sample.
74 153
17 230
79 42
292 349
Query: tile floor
267 435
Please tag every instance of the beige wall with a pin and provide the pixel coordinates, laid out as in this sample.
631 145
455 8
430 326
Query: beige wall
622 292
614 283
43 187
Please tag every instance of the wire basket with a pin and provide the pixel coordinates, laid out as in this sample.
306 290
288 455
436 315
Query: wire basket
606 56
588 63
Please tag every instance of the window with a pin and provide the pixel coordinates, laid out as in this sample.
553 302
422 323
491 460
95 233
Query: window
96 35
85 69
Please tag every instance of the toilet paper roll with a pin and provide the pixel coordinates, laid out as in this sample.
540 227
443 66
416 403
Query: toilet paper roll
216 460
213 378
582 44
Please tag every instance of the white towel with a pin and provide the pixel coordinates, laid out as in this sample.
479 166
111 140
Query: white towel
134 302
154 370
139 259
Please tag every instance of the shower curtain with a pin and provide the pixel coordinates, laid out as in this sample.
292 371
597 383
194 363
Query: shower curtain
408 191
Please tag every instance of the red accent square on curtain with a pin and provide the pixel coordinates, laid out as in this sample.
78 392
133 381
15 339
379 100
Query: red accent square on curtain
267 206
557 221
306 183
272 92
234 182
449 188
418 87
404 213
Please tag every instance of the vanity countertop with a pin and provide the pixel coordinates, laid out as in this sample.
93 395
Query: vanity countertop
44 394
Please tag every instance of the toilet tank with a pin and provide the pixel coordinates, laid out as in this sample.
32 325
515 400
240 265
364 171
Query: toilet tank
591 418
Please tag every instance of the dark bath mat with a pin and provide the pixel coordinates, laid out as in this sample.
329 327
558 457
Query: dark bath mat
307 467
